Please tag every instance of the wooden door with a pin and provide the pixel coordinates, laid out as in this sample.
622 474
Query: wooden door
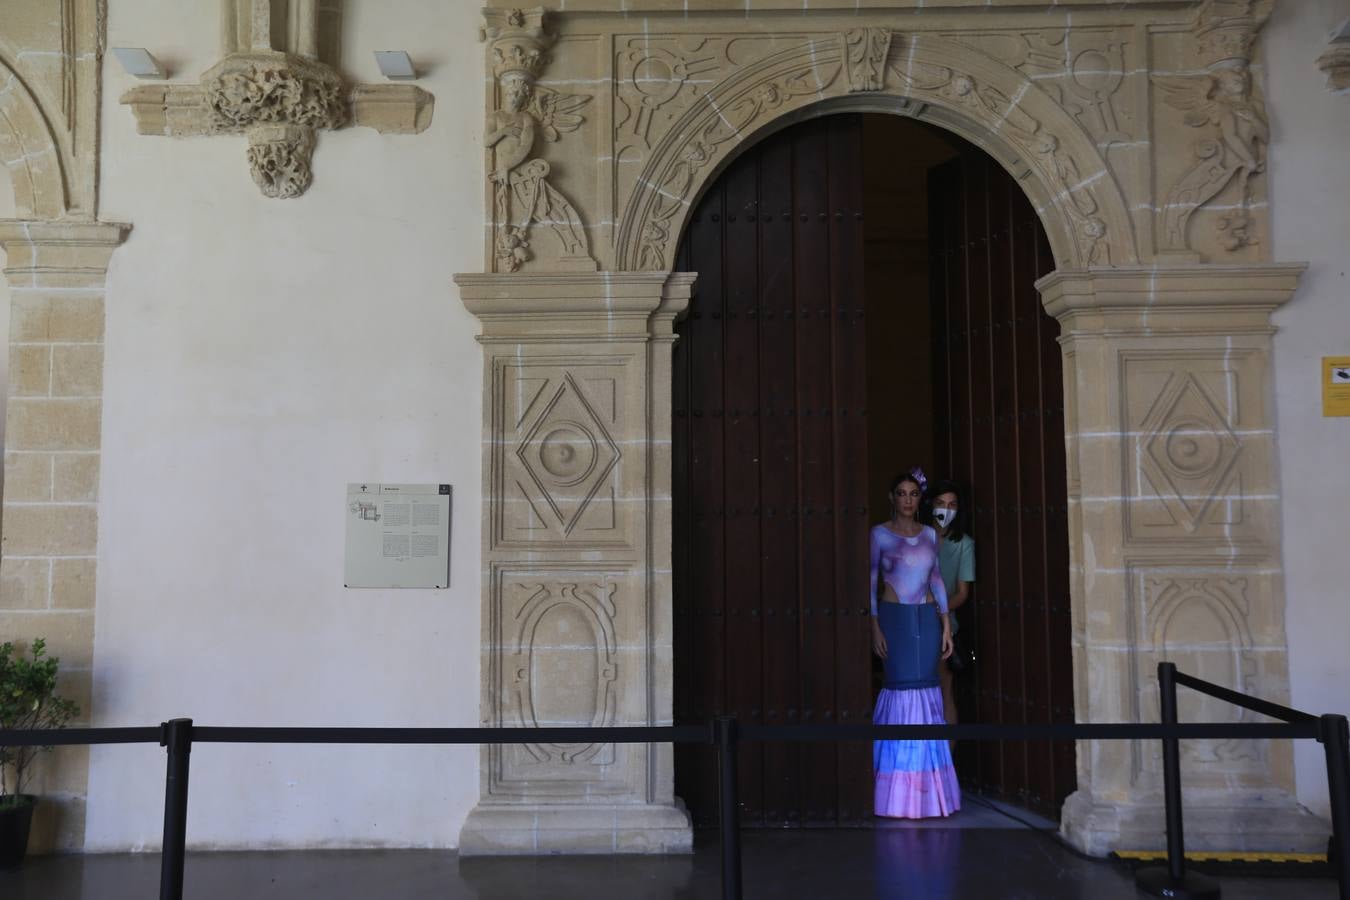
770 475
999 429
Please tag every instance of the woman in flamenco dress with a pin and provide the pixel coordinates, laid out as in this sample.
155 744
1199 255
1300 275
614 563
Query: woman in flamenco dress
914 779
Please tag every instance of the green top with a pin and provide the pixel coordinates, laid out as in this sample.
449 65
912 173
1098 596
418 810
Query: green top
957 559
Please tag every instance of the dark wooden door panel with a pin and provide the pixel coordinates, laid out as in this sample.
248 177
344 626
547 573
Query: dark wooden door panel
999 403
771 473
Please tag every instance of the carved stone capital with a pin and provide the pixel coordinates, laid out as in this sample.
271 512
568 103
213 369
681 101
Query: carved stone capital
1335 60
1148 300
603 305
1226 29
519 40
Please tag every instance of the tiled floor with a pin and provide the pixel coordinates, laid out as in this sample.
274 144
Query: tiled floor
979 853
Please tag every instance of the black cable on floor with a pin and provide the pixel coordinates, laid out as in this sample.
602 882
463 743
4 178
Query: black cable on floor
1051 833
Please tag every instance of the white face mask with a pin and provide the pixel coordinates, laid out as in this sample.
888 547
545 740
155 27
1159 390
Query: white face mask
944 517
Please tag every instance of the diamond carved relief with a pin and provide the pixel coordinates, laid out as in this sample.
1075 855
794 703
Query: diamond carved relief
1189 450
568 454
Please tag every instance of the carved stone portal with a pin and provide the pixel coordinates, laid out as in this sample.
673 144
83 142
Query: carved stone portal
278 99
1140 136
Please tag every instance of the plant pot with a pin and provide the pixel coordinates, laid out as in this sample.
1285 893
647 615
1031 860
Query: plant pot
15 819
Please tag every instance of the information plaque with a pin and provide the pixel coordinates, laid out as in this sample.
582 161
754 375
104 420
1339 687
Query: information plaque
398 536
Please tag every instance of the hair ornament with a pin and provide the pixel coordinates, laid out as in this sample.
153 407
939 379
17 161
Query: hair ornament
921 479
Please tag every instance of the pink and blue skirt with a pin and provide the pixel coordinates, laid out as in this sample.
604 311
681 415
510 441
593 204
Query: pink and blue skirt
914 779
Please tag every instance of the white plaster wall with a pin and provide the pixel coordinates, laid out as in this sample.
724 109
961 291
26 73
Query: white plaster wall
260 355
1310 191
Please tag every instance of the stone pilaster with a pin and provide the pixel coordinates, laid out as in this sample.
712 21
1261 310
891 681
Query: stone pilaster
576 547
1175 544
53 422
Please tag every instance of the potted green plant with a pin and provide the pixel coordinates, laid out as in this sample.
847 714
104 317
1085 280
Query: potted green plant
28 700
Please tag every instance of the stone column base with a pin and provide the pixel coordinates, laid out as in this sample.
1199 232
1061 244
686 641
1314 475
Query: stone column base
542 830
1271 822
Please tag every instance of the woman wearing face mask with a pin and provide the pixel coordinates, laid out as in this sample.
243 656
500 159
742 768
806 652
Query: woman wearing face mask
956 554
914 779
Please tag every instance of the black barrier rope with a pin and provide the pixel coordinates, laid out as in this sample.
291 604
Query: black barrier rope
1330 730
726 733
1264 707
668 734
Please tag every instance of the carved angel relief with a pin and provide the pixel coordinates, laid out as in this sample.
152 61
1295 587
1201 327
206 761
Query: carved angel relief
522 194
1220 101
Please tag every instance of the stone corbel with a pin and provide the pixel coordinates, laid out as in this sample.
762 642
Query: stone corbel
1335 60
278 97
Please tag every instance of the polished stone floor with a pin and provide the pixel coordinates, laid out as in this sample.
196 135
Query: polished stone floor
977 854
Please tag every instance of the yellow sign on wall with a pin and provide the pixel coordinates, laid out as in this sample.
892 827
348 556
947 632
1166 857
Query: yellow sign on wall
1336 385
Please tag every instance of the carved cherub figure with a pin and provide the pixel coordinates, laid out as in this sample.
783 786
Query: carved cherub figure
523 195
528 110
1220 98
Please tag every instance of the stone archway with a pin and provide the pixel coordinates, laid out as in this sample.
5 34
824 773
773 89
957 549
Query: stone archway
1164 304
29 150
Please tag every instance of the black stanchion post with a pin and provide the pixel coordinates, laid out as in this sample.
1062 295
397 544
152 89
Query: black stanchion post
176 735
1173 881
724 733
1335 738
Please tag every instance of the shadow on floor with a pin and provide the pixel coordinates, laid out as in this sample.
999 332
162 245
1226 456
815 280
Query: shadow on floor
899 863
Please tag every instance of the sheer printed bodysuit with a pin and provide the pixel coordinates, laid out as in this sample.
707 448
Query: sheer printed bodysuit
909 565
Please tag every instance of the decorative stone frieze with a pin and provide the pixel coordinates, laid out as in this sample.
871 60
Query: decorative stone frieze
1335 60
1140 136
278 99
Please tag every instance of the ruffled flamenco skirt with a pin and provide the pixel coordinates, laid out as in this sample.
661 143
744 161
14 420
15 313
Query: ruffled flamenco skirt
914 779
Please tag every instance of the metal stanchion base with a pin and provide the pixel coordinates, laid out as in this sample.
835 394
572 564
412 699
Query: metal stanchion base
1158 882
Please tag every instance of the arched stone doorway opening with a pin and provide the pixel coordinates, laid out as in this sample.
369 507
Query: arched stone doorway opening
1170 481
866 302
